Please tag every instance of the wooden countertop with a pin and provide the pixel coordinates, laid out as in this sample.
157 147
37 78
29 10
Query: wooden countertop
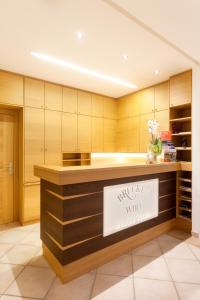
69 175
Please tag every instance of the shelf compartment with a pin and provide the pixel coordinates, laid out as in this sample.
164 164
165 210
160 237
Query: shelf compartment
180 120
185 218
185 179
183 148
185 189
185 209
182 133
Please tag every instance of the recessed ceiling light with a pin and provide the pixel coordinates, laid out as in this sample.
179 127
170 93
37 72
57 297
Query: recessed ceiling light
125 56
80 35
156 72
83 70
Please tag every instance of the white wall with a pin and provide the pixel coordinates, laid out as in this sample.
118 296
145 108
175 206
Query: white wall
196 150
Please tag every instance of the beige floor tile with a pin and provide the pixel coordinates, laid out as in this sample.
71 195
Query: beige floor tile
174 250
187 271
178 234
19 254
193 241
78 289
39 260
33 238
151 248
30 228
168 238
7 274
121 266
6 297
150 268
5 248
12 236
188 291
146 289
195 250
32 282
109 287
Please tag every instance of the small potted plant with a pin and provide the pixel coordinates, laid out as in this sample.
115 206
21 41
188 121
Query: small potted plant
155 146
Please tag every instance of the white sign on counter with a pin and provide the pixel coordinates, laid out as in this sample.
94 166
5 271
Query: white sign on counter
128 204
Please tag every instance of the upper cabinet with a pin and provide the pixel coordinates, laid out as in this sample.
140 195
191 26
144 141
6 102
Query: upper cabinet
162 96
11 88
84 103
69 132
97 105
134 104
70 100
181 89
97 134
53 96
84 133
34 93
146 98
109 139
109 108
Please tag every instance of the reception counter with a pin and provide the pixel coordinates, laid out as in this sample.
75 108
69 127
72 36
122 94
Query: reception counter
79 229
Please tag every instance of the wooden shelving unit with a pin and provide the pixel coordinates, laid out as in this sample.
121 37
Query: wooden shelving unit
184 196
76 159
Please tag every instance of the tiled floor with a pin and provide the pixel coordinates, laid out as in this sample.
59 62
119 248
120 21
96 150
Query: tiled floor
167 268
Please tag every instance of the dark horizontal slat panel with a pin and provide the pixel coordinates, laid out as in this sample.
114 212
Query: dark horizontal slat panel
76 231
167 202
167 187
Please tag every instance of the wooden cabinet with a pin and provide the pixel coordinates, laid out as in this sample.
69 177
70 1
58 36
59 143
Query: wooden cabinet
109 135
97 134
121 142
70 100
122 107
181 89
109 108
162 96
134 104
53 96
52 137
34 93
97 105
11 88
84 103
163 119
146 98
84 133
33 141
69 132
133 134
144 133
31 203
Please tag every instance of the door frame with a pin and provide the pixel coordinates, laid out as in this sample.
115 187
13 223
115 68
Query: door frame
17 113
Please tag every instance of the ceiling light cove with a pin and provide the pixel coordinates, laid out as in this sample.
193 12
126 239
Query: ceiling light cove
83 70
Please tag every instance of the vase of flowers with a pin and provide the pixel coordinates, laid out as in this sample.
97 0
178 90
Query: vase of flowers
155 145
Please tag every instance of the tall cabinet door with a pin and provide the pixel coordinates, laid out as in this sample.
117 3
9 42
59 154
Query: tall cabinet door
163 119
34 141
144 133
109 141
97 134
34 93
69 132
53 97
84 133
52 137
162 96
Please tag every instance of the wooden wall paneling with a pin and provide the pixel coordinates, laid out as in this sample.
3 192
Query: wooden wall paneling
33 141
53 96
122 107
146 99
109 128
11 88
133 134
31 209
84 103
53 137
162 96
134 101
144 133
109 108
163 118
69 132
121 136
97 105
34 93
97 134
84 133
181 89
70 100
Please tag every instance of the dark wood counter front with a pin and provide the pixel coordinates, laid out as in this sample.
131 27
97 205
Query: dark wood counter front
72 222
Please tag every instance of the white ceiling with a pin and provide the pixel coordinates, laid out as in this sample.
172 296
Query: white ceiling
49 27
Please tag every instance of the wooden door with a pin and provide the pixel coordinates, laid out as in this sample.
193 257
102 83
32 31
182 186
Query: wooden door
97 134
146 99
181 89
11 88
53 96
34 93
144 133
110 108
97 105
109 138
69 132
84 103
52 137
6 168
33 141
163 119
84 133
162 96
70 100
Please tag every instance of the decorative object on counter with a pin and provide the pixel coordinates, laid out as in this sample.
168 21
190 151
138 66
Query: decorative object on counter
155 146
168 148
